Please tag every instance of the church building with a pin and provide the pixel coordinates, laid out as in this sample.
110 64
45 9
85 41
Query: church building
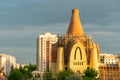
75 50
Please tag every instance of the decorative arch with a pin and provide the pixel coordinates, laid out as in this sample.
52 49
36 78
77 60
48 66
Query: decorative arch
77 57
78 48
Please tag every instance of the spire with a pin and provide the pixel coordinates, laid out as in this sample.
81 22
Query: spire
75 27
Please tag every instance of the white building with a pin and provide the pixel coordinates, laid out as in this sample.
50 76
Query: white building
109 58
44 44
6 62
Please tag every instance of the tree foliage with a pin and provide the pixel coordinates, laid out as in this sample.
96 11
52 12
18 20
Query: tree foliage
74 77
15 74
47 75
90 73
88 78
26 71
63 74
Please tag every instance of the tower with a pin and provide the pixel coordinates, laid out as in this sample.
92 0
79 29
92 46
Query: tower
75 50
75 26
44 43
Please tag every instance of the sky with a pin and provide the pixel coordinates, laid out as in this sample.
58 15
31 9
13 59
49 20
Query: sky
22 21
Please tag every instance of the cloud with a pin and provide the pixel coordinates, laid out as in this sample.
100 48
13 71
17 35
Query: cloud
21 22
49 12
46 12
106 36
22 41
21 53
104 33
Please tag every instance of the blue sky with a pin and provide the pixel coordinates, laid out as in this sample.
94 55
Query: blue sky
21 22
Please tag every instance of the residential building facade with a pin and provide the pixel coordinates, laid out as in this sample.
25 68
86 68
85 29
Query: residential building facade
44 43
109 58
7 62
109 68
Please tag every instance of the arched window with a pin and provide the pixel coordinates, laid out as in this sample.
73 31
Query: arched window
78 49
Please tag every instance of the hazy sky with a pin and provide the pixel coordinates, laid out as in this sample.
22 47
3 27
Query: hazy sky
22 21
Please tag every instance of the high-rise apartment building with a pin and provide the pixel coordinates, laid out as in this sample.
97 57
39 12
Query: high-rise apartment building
44 44
6 62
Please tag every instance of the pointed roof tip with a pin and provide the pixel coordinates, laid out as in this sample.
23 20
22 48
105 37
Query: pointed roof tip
75 11
75 26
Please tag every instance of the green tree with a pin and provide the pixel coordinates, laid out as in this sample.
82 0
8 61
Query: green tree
63 74
15 74
47 75
90 74
88 78
74 77
27 70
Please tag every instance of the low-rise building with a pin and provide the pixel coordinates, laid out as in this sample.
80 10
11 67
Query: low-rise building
109 58
109 72
109 68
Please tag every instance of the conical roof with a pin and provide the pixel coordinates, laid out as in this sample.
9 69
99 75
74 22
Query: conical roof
75 27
